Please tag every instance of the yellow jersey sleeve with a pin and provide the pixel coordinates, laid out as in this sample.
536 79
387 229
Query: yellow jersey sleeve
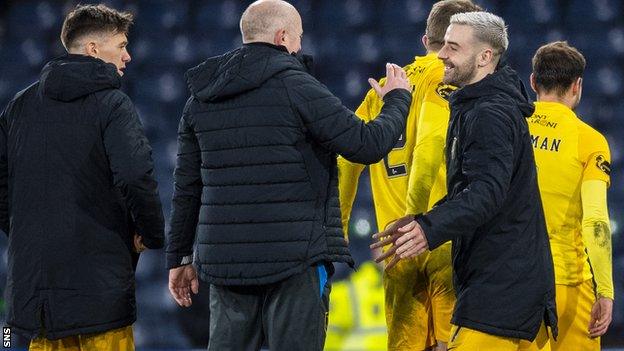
594 153
596 234
428 154
349 172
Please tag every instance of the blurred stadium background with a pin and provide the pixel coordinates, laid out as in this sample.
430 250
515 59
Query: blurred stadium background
350 40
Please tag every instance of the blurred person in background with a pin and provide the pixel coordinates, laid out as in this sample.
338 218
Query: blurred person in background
78 199
256 178
502 264
573 168
419 293
357 313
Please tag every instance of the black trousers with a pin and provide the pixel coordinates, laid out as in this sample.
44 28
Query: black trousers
290 315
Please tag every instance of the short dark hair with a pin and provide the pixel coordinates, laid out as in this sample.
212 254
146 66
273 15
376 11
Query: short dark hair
89 19
556 66
440 18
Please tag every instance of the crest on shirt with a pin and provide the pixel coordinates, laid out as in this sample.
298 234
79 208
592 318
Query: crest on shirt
444 90
603 164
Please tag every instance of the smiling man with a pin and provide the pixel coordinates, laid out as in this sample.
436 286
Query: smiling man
502 266
78 199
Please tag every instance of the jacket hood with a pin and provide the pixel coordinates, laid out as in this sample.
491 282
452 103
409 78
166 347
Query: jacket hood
504 81
238 71
71 76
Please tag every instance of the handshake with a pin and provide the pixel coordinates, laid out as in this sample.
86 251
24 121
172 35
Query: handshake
407 240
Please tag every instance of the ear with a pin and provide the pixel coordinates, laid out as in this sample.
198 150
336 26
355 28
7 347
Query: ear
577 86
280 37
485 58
532 82
425 41
91 49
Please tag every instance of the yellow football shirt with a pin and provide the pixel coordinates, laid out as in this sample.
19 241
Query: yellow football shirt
391 178
568 152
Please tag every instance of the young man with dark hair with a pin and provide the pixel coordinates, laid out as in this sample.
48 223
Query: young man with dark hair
78 199
419 294
573 171
502 264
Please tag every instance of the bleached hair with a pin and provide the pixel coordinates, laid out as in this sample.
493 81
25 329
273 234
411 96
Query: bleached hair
488 28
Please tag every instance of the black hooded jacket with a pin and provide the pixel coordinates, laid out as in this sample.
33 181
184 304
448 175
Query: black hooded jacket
256 174
502 264
76 182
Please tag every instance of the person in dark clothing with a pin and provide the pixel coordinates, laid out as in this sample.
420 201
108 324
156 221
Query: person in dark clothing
503 270
256 180
78 199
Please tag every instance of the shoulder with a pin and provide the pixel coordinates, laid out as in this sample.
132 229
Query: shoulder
591 138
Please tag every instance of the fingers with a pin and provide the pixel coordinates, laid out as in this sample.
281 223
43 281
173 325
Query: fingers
393 262
599 330
600 326
412 251
389 71
403 73
195 286
407 228
181 285
138 243
389 240
375 85
386 254
177 294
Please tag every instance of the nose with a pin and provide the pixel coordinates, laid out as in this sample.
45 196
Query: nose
442 53
127 57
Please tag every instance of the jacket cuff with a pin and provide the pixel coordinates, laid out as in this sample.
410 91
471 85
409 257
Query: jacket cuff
175 260
153 243
400 93
433 240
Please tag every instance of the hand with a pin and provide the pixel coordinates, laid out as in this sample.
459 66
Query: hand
407 239
182 281
138 243
601 314
396 78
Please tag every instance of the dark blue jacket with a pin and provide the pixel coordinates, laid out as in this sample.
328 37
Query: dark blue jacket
502 265
256 174
76 182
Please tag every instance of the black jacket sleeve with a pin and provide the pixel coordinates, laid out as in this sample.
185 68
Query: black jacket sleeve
4 174
338 129
130 158
186 197
487 168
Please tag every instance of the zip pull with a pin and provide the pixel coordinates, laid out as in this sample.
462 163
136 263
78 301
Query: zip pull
453 148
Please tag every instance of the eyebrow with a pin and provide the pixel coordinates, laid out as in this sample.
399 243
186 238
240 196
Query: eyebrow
453 43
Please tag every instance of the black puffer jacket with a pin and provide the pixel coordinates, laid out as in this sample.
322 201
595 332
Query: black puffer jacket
256 172
502 265
75 166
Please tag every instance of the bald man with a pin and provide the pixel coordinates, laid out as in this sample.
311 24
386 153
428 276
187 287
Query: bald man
256 180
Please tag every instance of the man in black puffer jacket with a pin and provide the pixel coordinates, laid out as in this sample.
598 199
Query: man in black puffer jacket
256 178
78 198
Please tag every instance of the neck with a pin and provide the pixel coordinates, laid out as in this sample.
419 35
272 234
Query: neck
482 73
564 100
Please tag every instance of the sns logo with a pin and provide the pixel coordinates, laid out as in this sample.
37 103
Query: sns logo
603 164
6 337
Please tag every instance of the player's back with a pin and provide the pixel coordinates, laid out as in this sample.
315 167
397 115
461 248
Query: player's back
565 148
389 178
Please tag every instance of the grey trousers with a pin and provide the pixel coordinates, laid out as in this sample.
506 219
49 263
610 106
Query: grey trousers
290 315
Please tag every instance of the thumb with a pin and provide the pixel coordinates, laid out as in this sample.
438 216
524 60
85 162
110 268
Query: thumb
195 285
375 85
